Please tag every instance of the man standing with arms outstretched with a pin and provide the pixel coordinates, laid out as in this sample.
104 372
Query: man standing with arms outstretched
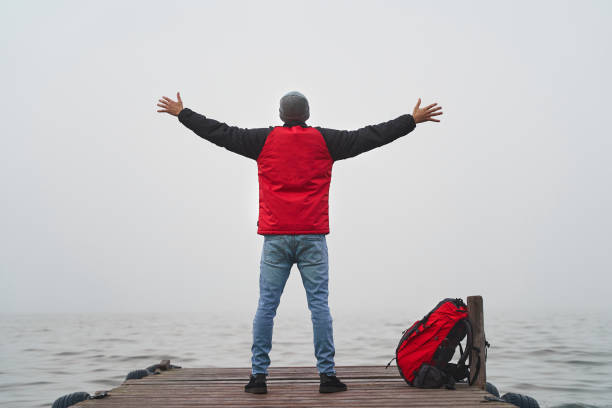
294 164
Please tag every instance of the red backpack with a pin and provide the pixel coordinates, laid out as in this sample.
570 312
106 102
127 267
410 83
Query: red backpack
424 352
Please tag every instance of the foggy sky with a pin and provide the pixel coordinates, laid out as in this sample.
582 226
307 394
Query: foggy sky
109 206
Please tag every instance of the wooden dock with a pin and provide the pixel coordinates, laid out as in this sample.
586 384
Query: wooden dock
287 387
368 386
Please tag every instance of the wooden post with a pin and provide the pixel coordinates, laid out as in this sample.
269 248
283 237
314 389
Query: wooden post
476 316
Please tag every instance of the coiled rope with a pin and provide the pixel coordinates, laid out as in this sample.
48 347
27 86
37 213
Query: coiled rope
68 400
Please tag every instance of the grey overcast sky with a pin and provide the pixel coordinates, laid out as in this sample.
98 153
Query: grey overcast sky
108 205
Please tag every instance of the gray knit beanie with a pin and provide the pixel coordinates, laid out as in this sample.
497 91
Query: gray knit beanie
294 107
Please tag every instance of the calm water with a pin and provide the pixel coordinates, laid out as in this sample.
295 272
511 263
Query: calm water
561 360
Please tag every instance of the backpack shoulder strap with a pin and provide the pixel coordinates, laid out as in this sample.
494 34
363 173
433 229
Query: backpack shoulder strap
469 347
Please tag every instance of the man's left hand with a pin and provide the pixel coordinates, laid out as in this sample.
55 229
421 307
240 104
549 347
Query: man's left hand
170 106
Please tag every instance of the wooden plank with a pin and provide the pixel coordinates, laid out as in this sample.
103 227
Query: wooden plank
476 316
275 373
287 387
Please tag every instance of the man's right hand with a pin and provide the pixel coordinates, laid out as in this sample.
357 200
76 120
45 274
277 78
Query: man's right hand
170 106
427 113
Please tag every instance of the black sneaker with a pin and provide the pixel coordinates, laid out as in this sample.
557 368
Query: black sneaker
331 383
257 384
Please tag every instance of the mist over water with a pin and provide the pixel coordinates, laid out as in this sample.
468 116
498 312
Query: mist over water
108 207
113 202
558 359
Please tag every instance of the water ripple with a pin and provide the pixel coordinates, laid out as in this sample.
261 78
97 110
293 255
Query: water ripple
546 358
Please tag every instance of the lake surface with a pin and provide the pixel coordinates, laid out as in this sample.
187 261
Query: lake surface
562 360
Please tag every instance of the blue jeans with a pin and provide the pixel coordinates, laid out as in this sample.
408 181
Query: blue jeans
279 254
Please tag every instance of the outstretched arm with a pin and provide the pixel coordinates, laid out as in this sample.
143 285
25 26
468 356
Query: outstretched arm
246 142
343 144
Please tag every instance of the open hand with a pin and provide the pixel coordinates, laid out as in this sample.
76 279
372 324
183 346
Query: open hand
427 113
170 106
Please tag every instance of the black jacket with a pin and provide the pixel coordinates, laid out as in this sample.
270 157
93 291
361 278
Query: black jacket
341 144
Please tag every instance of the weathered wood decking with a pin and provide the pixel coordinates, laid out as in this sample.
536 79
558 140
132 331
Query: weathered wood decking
287 387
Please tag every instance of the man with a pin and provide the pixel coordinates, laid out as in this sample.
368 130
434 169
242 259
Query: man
294 165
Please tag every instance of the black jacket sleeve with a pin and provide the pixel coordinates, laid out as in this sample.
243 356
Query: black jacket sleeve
343 144
245 142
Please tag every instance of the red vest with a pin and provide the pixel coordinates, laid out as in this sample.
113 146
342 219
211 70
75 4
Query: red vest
294 169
